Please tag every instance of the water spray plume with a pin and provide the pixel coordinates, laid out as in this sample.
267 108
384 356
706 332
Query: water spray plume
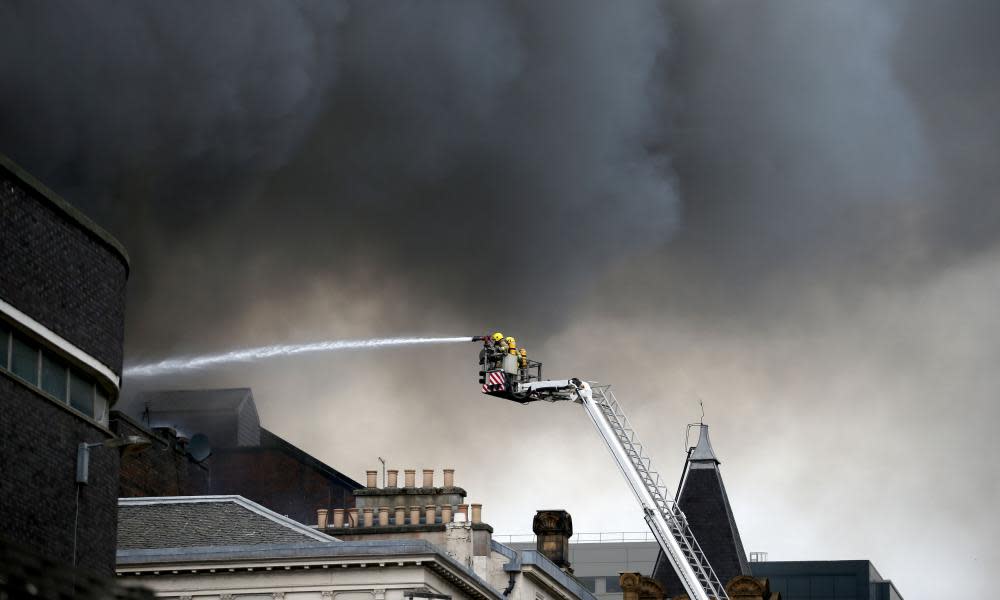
194 363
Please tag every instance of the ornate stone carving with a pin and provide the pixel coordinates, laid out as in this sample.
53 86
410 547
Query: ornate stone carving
636 587
745 587
549 522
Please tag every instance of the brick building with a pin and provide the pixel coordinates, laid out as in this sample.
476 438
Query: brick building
62 309
246 459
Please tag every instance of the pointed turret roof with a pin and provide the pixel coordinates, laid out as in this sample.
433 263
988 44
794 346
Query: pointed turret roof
702 496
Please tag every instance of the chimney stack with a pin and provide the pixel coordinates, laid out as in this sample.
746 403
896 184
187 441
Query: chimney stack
553 529
393 478
400 515
414 515
449 478
410 475
338 517
428 478
430 513
477 513
383 516
372 477
446 513
369 516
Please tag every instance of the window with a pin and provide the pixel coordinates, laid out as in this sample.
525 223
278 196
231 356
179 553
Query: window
588 582
81 393
54 373
612 585
4 345
24 358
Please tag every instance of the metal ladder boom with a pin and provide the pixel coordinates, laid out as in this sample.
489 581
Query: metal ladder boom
664 517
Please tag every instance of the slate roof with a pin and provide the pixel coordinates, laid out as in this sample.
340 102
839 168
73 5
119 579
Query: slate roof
703 499
195 521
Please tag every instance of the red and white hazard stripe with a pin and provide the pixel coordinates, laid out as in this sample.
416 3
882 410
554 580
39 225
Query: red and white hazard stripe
495 382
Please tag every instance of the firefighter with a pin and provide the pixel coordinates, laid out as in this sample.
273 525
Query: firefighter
523 363
497 351
486 354
503 349
510 368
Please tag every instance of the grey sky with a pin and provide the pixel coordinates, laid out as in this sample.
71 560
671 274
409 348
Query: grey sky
787 209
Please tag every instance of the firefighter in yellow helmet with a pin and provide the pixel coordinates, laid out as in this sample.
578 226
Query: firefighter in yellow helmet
510 367
511 342
499 350
523 363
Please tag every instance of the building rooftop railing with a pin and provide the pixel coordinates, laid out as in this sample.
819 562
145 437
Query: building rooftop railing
602 537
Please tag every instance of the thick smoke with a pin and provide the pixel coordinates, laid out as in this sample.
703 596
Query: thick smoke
783 208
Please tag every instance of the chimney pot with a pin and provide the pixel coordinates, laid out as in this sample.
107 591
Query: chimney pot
430 514
321 514
338 517
369 516
383 516
553 529
428 478
446 513
477 513
352 517
414 515
410 476
400 515
449 478
372 477
393 478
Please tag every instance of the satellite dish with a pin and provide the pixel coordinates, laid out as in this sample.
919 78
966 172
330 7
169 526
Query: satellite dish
199 448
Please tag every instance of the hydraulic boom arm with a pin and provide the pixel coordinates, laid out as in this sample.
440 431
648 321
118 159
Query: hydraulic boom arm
664 517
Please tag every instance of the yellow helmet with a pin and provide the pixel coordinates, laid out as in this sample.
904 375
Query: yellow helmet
510 341
497 336
513 350
524 351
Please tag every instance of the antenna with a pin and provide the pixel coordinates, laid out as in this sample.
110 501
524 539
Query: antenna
382 460
702 405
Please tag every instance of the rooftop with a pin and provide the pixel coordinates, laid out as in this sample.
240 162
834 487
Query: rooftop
198 521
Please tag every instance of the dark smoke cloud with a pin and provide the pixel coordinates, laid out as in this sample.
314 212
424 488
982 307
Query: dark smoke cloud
785 208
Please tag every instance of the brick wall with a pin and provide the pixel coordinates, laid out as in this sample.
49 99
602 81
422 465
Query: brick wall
163 469
66 274
38 442
59 273
278 480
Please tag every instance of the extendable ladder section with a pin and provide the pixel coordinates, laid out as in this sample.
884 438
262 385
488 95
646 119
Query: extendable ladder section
665 518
